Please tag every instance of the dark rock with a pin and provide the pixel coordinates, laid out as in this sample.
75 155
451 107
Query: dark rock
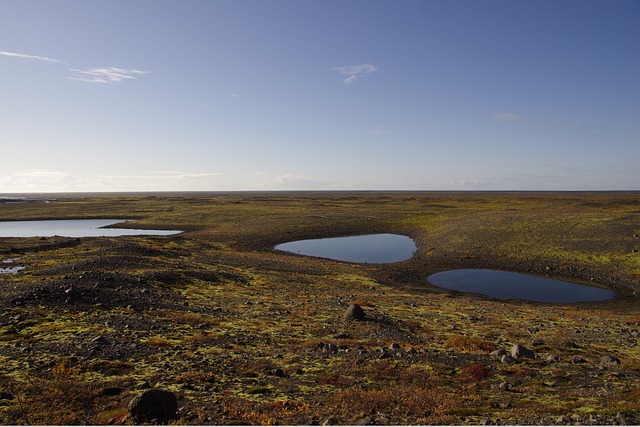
395 347
153 406
507 360
521 352
354 312
277 372
100 340
609 360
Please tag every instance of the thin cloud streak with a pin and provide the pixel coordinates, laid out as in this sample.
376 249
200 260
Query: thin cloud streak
25 56
90 75
353 72
105 75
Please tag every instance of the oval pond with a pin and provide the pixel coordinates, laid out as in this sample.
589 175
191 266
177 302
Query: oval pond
370 248
507 285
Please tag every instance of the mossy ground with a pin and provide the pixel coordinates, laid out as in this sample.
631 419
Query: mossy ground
239 330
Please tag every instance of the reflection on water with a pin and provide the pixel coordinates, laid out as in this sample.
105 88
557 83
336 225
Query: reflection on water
502 284
73 228
371 248
10 270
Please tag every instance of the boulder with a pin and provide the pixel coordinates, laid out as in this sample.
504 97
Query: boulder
354 312
153 406
521 352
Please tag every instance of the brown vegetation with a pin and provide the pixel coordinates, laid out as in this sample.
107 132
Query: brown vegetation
245 334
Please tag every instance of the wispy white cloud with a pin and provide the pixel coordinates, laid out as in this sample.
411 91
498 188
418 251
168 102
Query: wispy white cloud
25 56
105 75
91 75
354 72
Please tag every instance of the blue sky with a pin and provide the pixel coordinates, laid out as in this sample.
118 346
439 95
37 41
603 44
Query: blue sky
141 95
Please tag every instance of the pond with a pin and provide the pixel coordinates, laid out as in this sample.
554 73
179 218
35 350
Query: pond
10 270
73 228
503 284
370 248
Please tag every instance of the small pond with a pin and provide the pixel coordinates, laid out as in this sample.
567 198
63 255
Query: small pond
503 284
10 270
73 228
370 248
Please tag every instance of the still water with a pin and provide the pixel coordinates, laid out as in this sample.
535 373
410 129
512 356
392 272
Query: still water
10 270
73 228
370 248
503 284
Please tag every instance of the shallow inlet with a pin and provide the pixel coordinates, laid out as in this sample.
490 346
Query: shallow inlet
370 248
73 228
506 285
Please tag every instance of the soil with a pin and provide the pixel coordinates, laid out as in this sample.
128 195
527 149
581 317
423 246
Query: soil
245 334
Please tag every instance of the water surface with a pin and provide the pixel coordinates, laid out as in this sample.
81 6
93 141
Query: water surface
503 284
73 228
11 270
370 248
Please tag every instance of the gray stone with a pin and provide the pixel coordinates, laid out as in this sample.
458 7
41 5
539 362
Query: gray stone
520 352
354 312
154 405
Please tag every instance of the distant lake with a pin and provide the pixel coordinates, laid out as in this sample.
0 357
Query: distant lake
370 248
73 228
503 284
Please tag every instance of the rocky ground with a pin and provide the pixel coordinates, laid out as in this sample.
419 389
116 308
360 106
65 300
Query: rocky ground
243 334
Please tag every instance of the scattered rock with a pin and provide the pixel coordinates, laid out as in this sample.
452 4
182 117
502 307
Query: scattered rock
277 372
609 360
577 360
153 405
521 352
100 340
553 358
498 353
354 312
507 360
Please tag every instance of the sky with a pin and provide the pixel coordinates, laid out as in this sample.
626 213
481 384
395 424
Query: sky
221 95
